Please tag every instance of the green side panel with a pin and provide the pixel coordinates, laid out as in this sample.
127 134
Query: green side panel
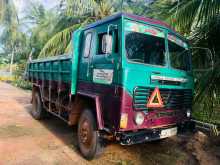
75 59
57 68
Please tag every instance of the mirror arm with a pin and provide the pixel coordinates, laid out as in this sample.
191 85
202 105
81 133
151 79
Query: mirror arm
111 25
212 57
108 31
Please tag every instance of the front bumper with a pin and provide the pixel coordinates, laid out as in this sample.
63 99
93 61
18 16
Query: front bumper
146 135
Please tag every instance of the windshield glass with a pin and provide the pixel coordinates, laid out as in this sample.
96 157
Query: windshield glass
144 44
179 53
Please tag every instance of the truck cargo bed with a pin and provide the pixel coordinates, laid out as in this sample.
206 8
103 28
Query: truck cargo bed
56 68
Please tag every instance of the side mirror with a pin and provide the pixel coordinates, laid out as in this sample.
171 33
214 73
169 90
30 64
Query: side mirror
107 44
202 59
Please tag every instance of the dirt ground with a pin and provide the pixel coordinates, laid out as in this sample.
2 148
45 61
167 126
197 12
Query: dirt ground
25 141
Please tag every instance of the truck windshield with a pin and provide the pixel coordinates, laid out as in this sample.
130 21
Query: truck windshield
179 53
144 44
144 48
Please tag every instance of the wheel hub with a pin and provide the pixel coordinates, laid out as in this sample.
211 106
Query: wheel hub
85 133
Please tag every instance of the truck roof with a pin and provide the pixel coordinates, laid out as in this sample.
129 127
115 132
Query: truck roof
131 16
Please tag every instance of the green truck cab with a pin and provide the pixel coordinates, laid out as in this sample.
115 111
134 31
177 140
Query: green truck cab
129 79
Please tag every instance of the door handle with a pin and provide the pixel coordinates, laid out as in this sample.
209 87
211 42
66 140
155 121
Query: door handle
155 72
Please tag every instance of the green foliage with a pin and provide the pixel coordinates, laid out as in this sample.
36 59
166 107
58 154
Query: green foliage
199 21
78 7
159 9
8 13
43 23
191 14
90 11
3 60
18 74
12 39
54 46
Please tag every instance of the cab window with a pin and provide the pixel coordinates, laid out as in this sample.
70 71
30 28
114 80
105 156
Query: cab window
114 35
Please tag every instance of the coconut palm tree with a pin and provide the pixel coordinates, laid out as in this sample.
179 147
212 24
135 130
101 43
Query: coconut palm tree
208 84
199 20
11 37
41 25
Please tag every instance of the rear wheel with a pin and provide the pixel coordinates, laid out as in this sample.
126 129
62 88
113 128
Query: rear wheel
89 141
38 112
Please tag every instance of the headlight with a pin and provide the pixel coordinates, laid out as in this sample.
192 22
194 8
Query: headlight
188 113
139 118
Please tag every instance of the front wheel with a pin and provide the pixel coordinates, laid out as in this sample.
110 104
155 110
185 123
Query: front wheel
89 141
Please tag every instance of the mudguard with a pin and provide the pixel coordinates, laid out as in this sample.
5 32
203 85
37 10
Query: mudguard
98 109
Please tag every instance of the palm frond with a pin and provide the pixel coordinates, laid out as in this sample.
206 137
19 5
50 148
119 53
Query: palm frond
58 43
194 13
102 9
207 90
69 48
207 85
78 7
185 16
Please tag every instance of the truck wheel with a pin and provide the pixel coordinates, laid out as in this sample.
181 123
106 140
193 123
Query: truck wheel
89 142
38 112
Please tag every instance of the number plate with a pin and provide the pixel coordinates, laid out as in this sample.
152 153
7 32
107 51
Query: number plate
168 132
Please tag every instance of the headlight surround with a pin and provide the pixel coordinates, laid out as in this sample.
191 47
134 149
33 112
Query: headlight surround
188 113
139 118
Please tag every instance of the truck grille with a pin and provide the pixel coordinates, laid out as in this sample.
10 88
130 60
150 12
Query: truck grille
173 99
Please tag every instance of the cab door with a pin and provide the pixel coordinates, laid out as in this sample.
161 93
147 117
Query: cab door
105 61
87 51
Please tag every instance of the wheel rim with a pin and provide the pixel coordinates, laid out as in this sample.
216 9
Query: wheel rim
86 133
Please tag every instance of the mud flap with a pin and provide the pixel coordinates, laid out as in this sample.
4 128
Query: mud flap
188 126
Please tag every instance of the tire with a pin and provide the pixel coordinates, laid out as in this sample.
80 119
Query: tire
90 144
38 112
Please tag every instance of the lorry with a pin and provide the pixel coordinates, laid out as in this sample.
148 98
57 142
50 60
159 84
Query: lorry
128 79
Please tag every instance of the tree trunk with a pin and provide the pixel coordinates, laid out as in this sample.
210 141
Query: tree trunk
12 60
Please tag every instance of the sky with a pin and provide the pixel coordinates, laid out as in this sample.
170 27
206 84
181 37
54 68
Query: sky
21 5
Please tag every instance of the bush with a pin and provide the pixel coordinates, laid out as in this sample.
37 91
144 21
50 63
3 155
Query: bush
21 83
18 73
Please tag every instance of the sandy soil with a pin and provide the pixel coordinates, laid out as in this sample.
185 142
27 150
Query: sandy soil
25 141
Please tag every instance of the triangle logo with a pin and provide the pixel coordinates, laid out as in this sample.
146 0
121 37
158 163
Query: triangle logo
155 100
